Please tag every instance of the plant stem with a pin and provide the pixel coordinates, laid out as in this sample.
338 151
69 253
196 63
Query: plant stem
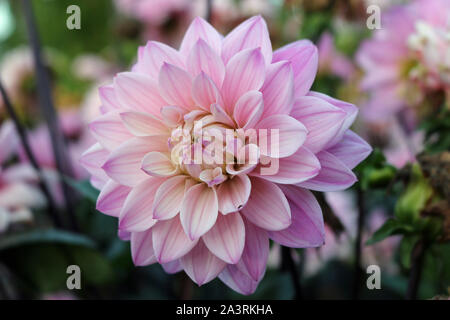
357 252
417 257
288 264
26 146
209 10
46 103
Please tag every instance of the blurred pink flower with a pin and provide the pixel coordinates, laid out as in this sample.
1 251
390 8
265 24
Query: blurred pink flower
215 217
407 58
18 189
331 61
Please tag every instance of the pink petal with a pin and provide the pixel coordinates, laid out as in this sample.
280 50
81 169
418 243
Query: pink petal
199 210
138 92
254 258
154 55
203 58
169 240
143 124
92 160
350 109
226 239
248 109
124 163
175 86
250 34
205 92
169 198
201 265
158 164
109 130
142 248
333 175
267 206
323 121
200 29
278 89
220 115
172 266
237 280
305 58
290 132
112 198
244 72
233 194
108 98
307 228
351 150
172 116
299 167
136 214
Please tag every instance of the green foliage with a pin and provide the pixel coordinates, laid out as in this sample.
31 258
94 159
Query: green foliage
84 188
375 172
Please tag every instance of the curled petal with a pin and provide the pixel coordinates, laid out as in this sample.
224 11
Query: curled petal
158 164
143 124
227 238
205 92
201 265
233 194
248 109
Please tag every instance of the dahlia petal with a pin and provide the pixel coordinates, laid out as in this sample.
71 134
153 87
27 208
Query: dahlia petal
220 115
154 55
108 98
305 59
169 198
256 251
124 235
203 58
124 164
351 150
199 210
143 124
170 242
249 156
323 121
244 72
278 89
291 135
92 160
237 280
307 228
201 265
333 175
227 238
200 29
233 194
205 92
109 130
350 109
267 206
112 198
250 34
301 166
158 164
172 266
172 116
175 86
136 214
248 109
138 92
142 248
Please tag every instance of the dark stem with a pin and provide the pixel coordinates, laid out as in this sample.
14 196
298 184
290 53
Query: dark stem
26 146
417 257
289 265
46 103
358 251
209 10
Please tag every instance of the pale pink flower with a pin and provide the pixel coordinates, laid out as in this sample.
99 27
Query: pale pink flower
18 183
216 218
406 59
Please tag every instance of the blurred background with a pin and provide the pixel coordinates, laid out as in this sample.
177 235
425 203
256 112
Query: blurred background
396 217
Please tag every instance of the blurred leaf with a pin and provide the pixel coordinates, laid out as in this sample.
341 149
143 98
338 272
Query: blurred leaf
45 236
390 227
406 246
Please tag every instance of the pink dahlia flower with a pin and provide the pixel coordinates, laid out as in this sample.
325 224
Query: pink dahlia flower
207 152
408 58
